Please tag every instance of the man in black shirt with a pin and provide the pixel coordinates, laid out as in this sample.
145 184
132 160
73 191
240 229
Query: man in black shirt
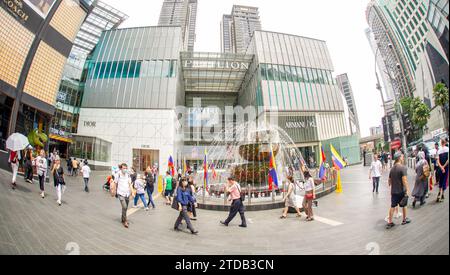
398 181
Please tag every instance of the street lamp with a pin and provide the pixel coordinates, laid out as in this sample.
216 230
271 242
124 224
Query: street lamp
397 101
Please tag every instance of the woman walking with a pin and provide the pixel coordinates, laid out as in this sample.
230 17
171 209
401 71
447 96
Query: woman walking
139 185
184 198
422 175
290 199
58 178
29 166
310 196
14 161
150 179
191 206
442 162
41 166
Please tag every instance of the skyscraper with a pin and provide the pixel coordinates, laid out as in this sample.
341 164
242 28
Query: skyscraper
391 45
237 29
346 89
181 13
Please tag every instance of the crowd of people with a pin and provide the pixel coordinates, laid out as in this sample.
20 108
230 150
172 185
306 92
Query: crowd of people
180 192
47 165
431 169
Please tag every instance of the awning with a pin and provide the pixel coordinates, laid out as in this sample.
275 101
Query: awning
63 139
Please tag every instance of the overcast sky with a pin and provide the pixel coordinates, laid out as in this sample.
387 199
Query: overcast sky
341 23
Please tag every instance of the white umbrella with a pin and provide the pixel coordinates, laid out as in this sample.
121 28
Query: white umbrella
17 142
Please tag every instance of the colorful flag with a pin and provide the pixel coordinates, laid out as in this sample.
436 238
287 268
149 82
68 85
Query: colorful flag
273 178
171 166
338 162
322 171
205 170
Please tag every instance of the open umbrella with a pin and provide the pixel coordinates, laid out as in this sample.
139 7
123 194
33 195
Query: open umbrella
17 142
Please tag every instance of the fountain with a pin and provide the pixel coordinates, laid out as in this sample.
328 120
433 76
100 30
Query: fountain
244 152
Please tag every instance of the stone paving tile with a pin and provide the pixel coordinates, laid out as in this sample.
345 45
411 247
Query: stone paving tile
93 222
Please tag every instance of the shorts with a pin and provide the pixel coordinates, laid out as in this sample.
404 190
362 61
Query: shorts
396 199
168 193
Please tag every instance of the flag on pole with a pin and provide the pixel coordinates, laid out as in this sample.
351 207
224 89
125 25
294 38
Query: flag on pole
322 171
184 167
171 166
273 178
205 171
338 164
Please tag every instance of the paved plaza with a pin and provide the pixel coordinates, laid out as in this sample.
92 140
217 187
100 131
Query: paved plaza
348 223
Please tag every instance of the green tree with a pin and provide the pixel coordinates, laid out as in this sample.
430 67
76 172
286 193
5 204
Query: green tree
441 98
420 113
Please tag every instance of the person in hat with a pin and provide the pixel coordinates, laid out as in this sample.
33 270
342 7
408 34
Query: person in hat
398 182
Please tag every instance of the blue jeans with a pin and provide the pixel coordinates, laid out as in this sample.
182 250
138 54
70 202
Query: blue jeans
142 196
150 197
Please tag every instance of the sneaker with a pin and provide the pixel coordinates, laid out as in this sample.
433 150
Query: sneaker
399 215
146 209
194 232
59 203
135 206
42 195
243 226
223 223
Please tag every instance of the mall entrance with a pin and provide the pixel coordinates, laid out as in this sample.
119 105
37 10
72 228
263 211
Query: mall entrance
143 158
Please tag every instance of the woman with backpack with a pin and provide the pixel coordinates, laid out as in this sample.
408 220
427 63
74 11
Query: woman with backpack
421 184
290 199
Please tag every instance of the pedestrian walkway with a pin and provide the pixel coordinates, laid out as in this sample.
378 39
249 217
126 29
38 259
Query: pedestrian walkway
348 223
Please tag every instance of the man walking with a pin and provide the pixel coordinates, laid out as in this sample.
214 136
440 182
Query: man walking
398 181
234 191
123 191
86 171
74 167
375 173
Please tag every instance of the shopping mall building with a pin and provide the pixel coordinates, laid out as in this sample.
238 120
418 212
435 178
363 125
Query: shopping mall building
147 98
36 38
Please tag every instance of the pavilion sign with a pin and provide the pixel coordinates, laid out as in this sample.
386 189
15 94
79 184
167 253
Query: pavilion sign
228 65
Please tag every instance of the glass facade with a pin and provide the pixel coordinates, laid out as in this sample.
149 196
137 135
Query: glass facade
133 69
296 74
91 148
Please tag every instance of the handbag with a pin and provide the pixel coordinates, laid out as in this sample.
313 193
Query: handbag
309 196
175 201
404 202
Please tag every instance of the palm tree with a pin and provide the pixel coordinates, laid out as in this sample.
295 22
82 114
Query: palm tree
440 95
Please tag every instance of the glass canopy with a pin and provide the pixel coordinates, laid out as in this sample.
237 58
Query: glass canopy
214 72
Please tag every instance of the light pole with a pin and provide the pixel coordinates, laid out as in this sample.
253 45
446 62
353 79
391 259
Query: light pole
397 101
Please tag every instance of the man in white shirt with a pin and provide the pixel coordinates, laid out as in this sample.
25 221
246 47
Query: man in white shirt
86 171
375 173
123 190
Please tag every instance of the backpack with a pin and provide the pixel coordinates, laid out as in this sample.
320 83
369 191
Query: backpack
240 191
426 171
